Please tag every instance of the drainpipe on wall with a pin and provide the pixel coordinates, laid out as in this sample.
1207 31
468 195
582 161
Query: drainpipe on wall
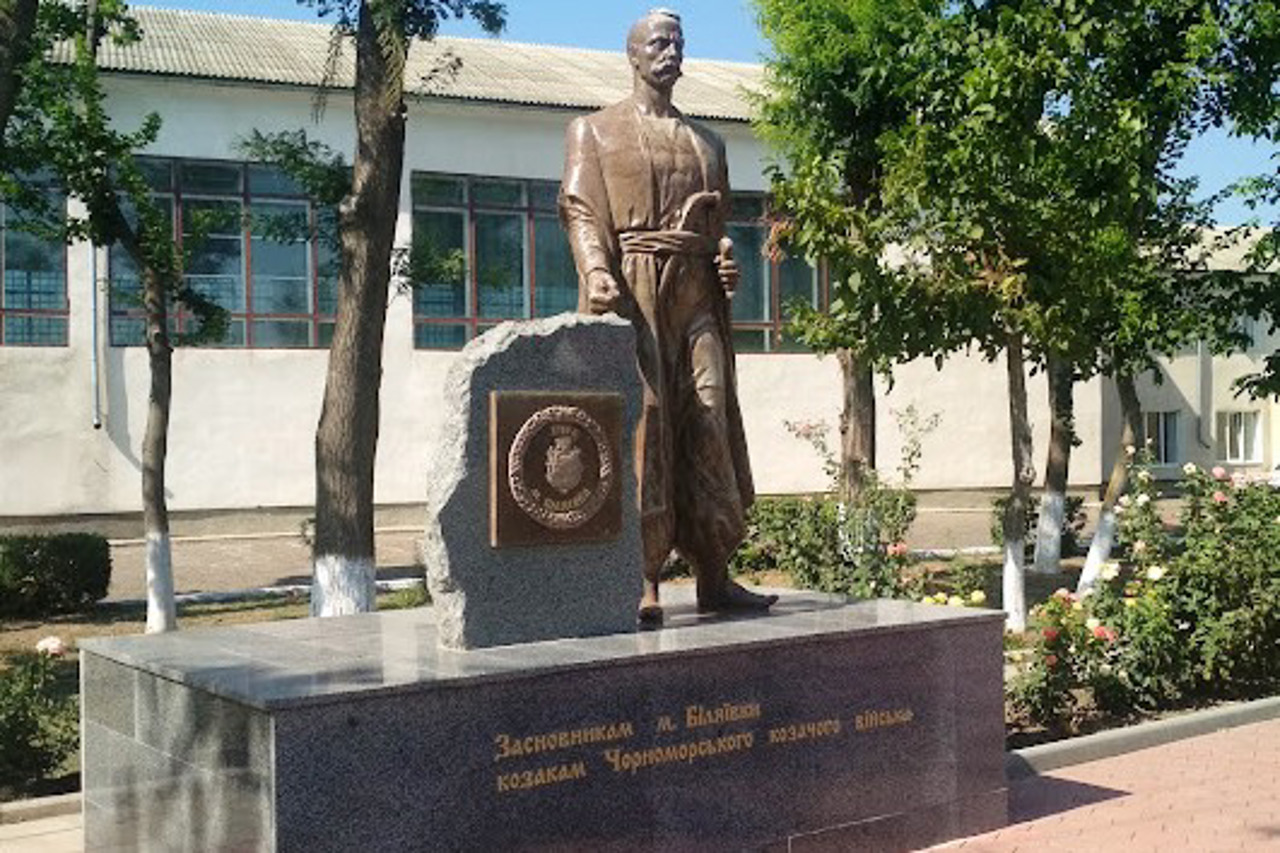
1204 393
93 357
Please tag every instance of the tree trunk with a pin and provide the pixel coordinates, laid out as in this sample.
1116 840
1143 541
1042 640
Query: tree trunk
1130 437
857 424
347 437
17 26
1053 503
161 611
1024 475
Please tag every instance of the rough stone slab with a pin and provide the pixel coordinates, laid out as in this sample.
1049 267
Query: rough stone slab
486 596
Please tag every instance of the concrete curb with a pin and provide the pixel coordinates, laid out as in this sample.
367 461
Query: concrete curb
21 811
1034 760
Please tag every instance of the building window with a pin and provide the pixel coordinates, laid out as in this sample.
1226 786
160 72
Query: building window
768 284
1161 430
485 250
33 301
488 249
1239 437
254 246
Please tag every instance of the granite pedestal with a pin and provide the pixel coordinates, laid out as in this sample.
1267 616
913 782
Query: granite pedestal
819 726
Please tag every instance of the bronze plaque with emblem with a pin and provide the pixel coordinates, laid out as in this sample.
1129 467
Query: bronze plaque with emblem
554 470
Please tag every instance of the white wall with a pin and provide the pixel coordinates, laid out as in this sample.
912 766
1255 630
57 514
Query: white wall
244 420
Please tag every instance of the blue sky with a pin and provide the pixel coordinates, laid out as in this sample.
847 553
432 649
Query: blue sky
726 29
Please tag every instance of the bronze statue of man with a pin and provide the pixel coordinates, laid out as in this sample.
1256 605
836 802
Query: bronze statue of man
644 201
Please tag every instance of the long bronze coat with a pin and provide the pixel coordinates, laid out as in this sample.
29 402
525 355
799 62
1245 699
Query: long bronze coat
625 187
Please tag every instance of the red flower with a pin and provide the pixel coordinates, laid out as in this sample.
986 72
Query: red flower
1050 634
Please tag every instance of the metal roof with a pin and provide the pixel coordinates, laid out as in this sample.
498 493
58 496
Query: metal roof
261 50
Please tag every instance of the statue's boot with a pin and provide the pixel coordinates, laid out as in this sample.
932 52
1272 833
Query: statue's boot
650 612
734 596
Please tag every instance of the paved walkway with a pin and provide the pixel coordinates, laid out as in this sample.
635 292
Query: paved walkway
248 553
1216 792
225 563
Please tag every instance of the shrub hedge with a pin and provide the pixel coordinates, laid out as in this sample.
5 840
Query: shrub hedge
42 575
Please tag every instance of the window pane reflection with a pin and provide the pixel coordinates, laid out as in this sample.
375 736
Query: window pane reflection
554 271
500 265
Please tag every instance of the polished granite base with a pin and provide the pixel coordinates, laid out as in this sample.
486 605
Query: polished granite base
820 726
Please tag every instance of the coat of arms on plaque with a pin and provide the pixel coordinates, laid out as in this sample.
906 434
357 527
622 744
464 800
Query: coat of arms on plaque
564 463
556 475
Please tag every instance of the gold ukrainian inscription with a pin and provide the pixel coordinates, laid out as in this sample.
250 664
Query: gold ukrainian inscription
696 716
554 774
519 747
883 719
624 760
687 752
804 731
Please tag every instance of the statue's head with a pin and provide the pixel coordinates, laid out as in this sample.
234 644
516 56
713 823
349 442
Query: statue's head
655 47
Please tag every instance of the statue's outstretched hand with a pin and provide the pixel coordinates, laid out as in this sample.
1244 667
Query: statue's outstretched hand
727 268
603 293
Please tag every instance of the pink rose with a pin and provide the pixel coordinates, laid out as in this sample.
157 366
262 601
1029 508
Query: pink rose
1102 632
1051 661
1050 634
1219 473
897 549
1219 497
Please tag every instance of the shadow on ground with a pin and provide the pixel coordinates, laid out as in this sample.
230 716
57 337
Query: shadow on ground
1042 796
385 573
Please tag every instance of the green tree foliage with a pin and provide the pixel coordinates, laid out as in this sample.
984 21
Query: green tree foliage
1019 155
58 131
840 79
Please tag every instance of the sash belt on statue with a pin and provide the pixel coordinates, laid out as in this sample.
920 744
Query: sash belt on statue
666 243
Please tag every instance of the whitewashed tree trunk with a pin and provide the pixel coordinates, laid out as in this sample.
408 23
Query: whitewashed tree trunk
161 609
1013 584
1054 500
1099 550
1130 437
342 585
1024 474
162 613
1053 511
347 436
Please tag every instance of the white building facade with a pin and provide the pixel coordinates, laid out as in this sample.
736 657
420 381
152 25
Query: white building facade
482 165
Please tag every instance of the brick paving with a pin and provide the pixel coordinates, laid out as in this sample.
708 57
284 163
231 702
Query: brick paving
1216 792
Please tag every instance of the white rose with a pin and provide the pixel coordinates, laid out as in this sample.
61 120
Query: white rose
52 646
1125 500
1110 571
1092 622
1189 469
1143 500
1155 573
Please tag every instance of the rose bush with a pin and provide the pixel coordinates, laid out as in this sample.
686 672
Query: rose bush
1177 617
39 724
